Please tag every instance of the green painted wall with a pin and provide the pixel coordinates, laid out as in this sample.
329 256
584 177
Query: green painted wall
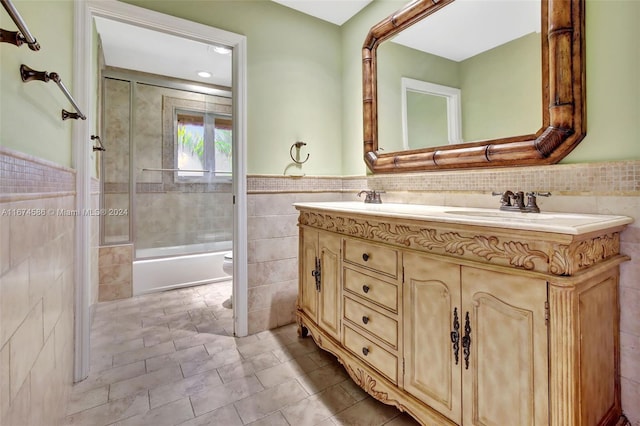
497 100
501 94
353 34
394 62
293 72
613 86
30 119
613 83
427 123
304 81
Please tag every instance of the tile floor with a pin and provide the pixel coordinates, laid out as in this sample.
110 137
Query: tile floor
169 359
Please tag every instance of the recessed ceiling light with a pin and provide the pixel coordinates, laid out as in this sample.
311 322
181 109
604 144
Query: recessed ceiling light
204 74
221 50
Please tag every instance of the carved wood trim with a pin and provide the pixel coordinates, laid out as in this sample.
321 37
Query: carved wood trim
569 259
378 388
361 377
563 383
533 255
367 383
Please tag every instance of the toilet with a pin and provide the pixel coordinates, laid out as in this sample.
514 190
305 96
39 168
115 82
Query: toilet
227 263
227 267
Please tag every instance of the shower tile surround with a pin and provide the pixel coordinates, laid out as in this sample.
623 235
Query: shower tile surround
36 288
168 213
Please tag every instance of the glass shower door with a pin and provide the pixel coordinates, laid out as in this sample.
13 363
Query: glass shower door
115 167
183 180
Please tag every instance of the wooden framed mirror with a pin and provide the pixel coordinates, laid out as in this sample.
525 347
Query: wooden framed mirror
563 116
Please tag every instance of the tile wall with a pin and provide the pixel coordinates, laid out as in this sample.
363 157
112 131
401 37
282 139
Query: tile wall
36 289
602 188
115 272
273 243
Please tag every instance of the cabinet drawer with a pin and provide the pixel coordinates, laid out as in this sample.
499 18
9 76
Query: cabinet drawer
374 322
371 353
377 258
377 291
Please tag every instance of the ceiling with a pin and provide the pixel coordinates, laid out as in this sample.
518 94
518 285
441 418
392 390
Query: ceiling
335 11
460 30
454 32
466 28
136 48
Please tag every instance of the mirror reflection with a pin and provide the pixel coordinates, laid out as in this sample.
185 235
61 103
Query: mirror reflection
430 114
491 53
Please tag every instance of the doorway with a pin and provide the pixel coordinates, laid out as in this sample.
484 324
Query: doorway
167 176
86 71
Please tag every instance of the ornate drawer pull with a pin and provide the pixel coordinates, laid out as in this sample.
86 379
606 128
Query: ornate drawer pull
365 288
365 256
455 335
317 274
365 319
466 341
365 351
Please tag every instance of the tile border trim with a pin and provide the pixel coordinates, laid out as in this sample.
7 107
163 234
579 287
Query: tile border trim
618 177
610 178
25 177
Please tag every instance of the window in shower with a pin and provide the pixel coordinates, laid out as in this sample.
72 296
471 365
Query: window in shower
203 145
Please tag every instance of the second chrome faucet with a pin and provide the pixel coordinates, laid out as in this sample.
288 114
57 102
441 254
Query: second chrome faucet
514 201
372 196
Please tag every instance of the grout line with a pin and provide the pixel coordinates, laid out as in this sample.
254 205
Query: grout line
193 410
264 337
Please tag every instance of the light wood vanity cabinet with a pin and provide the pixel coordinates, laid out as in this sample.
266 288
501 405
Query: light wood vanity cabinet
467 325
431 309
502 370
371 293
319 292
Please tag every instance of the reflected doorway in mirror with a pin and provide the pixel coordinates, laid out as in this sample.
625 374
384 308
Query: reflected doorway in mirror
427 105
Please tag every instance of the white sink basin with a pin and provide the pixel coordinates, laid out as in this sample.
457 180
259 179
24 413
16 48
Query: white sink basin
502 215
564 223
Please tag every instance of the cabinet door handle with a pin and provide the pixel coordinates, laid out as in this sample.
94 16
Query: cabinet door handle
365 288
466 341
316 273
365 351
365 256
365 319
455 335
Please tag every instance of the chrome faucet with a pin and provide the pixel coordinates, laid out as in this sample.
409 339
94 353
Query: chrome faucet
372 197
532 205
514 201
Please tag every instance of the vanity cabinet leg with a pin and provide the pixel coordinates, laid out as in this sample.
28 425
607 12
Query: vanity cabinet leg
302 330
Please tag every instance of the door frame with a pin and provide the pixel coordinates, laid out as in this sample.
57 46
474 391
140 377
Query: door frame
85 78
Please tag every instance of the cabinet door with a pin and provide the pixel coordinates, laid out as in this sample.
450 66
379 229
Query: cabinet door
308 294
431 295
329 302
506 381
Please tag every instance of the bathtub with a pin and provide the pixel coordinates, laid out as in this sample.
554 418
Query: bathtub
169 268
